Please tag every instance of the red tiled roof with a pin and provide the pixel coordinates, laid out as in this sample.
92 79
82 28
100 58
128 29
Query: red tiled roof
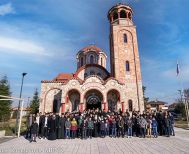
91 48
63 77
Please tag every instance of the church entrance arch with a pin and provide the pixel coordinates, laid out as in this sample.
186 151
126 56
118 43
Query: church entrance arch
113 97
93 99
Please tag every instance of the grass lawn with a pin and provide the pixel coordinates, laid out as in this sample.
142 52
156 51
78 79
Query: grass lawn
10 126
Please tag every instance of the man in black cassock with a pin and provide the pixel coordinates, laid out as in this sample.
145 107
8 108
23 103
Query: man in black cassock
41 125
57 126
52 128
95 128
62 126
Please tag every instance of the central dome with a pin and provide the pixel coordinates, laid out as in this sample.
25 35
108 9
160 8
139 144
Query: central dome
91 55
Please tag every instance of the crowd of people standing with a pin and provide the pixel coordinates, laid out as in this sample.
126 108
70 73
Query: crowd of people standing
97 123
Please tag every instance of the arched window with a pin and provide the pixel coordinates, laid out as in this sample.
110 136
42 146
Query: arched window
125 38
115 16
127 66
101 61
122 14
130 104
81 61
91 59
129 15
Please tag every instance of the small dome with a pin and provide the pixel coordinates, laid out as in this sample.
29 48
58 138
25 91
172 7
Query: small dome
91 55
91 48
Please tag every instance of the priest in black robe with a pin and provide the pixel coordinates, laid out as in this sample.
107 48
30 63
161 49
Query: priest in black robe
95 128
62 126
57 126
52 128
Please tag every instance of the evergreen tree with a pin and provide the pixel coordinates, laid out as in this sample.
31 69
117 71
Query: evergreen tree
180 109
146 99
34 105
5 105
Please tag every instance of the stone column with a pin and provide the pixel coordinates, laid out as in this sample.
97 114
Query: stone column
81 107
105 107
63 107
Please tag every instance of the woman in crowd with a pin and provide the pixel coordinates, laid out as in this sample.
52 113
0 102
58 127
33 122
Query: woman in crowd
68 127
73 128
149 127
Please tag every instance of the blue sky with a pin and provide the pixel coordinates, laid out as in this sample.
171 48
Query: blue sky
43 37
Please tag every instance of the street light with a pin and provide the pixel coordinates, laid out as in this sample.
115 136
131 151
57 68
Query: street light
18 111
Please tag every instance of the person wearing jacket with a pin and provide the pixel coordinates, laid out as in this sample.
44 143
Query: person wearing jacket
149 127
73 128
130 127
68 126
102 128
172 131
143 124
34 131
154 127
114 128
107 127
90 128
166 122
84 129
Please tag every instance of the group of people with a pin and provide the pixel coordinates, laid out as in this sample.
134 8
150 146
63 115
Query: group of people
97 123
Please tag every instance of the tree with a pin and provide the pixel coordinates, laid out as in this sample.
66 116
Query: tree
180 109
5 105
146 99
34 105
186 93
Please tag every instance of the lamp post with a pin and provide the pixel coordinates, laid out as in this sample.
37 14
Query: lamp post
18 111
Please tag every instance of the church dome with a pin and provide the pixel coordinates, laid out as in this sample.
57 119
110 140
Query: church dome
91 48
91 55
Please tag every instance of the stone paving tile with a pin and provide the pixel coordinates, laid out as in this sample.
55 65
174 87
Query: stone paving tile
173 145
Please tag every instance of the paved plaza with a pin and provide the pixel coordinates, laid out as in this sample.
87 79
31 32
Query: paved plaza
178 145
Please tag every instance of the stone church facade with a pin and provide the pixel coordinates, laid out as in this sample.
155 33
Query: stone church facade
92 86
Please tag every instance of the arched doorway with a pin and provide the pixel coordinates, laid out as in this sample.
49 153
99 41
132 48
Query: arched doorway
74 98
113 98
93 99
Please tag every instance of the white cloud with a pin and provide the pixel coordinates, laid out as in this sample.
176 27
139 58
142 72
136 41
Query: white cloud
6 9
20 46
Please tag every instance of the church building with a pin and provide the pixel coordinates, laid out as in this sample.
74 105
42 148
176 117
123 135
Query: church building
92 86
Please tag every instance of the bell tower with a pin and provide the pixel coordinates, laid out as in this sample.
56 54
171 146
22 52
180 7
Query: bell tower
124 56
